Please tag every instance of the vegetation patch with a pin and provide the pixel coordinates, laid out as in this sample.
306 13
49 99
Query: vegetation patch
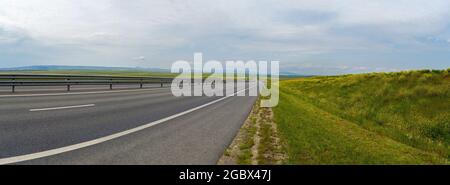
376 118
257 142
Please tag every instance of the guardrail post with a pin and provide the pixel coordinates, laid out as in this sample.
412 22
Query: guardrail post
68 84
13 87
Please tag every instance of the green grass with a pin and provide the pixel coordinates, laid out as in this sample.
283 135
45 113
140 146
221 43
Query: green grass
245 156
377 118
266 144
97 72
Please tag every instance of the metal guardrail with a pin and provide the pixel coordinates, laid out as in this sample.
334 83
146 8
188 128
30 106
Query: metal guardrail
14 80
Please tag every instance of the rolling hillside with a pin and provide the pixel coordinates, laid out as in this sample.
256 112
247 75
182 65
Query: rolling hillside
377 118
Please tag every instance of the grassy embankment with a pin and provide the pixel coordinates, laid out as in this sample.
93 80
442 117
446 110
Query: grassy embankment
377 118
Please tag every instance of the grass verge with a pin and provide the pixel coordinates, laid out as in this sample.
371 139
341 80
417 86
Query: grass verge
257 142
381 118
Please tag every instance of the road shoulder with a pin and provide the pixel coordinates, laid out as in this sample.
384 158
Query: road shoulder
258 141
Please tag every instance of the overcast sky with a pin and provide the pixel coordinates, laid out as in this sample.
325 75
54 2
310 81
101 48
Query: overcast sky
306 36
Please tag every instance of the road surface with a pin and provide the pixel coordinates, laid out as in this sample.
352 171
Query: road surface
73 88
126 126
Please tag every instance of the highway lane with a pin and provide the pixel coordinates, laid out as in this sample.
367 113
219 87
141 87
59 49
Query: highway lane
198 137
73 88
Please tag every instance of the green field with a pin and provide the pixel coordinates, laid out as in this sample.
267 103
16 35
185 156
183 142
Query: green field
127 73
376 118
96 72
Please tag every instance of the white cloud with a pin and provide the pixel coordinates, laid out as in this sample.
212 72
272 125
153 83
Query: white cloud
169 30
139 58
4 39
134 21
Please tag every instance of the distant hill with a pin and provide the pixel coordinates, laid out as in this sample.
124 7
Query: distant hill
284 74
59 67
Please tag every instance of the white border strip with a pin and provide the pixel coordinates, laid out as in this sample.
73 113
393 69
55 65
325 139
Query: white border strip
69 148
59 108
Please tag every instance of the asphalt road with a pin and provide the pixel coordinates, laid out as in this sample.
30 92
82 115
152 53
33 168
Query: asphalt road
127 126
73 88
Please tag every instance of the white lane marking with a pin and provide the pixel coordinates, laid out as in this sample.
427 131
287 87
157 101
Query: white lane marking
69 148
59 108
79 93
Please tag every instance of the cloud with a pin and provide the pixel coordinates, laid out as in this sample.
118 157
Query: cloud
335 32
139 58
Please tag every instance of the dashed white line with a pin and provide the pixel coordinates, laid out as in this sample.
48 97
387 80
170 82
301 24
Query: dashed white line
59 108
52 152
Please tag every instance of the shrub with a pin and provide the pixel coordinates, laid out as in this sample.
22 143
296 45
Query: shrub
440 131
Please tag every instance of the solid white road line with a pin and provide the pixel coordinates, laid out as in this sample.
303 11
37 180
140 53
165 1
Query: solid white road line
78 93
59 108
52 152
